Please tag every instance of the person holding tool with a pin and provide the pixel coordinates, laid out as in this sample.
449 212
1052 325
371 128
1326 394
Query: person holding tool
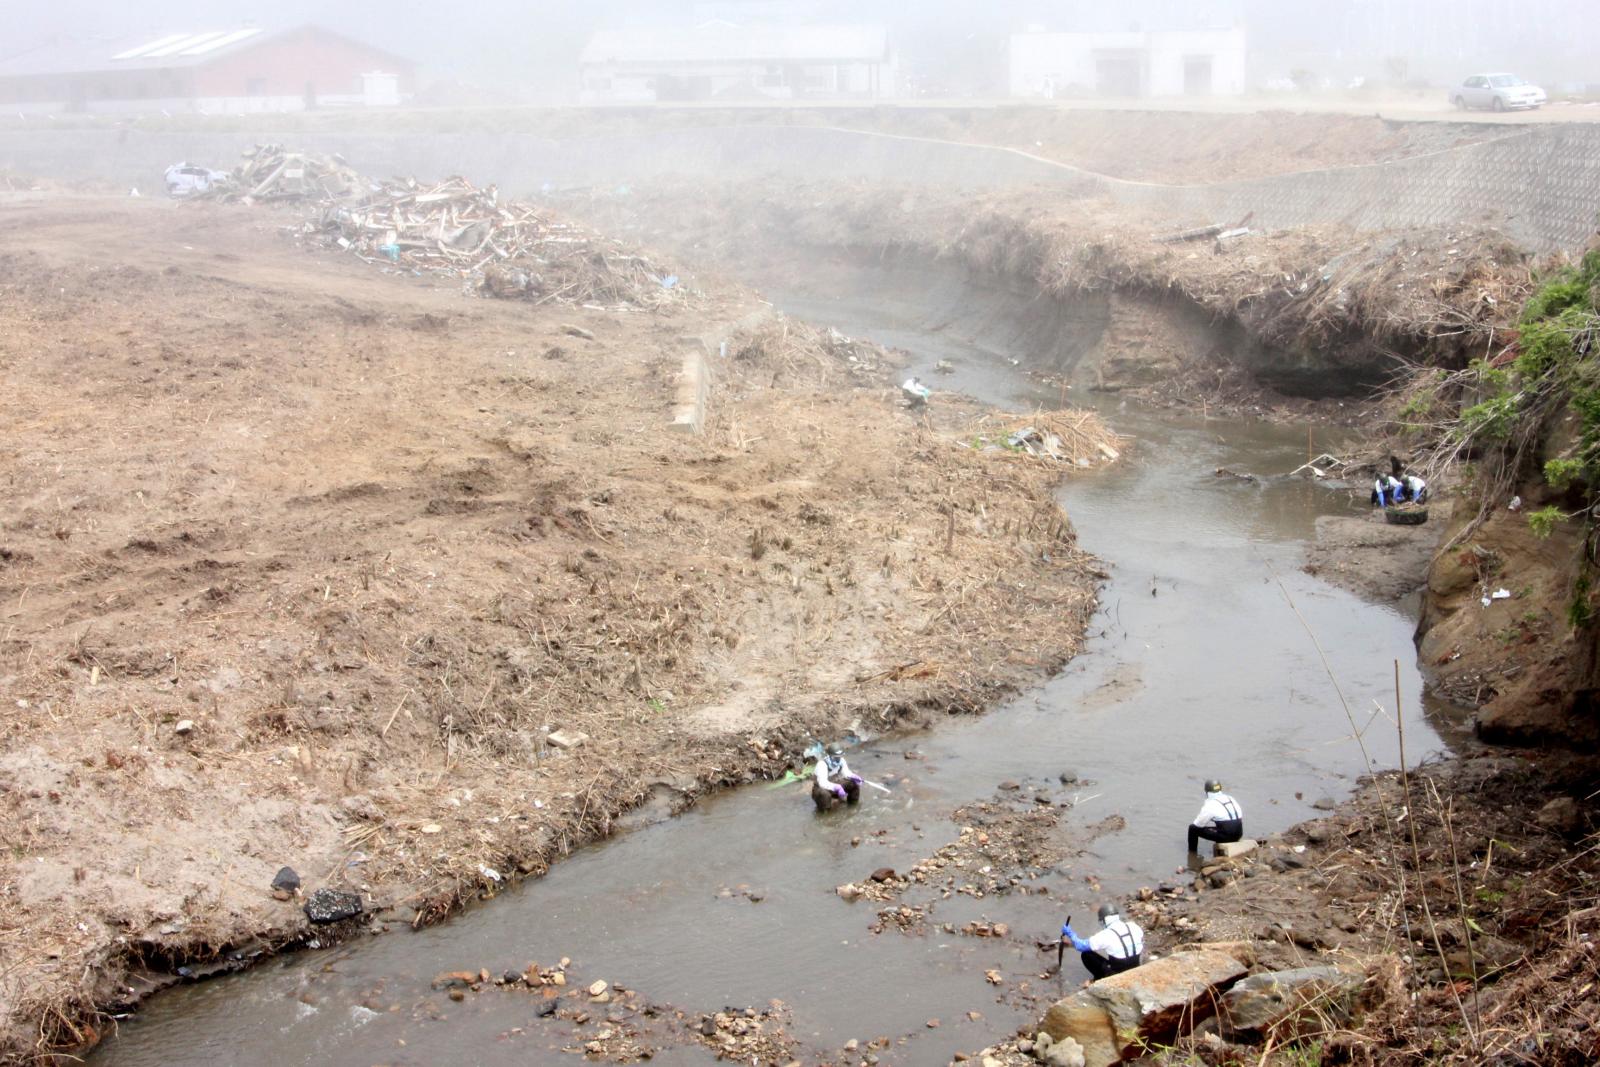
1118 947
835 781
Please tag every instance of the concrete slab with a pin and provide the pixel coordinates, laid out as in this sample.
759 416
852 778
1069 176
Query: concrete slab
1232 849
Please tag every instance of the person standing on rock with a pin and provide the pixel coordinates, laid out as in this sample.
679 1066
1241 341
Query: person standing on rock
1118 947
1220 819
835 781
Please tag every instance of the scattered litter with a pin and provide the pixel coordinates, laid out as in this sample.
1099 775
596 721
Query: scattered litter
452 228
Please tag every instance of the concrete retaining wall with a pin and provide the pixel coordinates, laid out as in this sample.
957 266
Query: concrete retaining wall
1541 183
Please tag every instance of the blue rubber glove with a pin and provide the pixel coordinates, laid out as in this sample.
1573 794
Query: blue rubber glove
856 778
839 792
1071 935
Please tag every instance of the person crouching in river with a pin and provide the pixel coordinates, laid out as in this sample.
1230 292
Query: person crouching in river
835 781
1386 490
1118 947
1219 821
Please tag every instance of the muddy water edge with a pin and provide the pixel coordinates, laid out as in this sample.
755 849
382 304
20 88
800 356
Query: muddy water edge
1201 663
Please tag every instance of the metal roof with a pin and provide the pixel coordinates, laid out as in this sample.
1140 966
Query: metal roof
721 42
145 51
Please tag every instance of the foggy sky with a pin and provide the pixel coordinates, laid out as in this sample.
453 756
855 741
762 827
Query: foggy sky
530 46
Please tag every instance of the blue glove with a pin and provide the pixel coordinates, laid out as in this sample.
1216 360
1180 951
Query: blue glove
1071 935
839 792
856 778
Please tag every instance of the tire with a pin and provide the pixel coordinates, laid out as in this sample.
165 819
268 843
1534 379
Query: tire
1498 105
1460 102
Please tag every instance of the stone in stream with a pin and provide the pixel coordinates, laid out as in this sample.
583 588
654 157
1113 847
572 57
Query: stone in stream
883 874
1274 1004
331 906
1119 1016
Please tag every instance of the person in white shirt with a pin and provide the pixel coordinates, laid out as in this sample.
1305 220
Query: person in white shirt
1118 947
1220 819
1386 490
916 393
1413 488
835 781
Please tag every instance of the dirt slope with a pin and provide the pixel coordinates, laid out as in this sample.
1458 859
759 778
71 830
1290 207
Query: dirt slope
369 540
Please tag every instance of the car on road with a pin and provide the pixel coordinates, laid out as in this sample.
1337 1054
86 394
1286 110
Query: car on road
186 179
1498 92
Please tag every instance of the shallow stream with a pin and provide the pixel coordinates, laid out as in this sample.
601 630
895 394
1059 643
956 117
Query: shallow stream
1198 665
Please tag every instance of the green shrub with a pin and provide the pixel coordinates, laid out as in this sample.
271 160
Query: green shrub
1543 522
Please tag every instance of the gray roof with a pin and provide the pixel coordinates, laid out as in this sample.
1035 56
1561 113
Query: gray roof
141 51
720 41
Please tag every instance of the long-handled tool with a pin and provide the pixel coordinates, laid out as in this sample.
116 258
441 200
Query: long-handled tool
1061 946
875 785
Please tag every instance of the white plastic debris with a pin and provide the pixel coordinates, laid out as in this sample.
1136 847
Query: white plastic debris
1500 594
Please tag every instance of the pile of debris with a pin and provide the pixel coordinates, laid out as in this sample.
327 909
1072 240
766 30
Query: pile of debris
1076 438
452 229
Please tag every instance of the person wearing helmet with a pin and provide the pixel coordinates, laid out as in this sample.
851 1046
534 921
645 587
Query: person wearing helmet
835 781
1386 490
1413 489
1220 819
1118 947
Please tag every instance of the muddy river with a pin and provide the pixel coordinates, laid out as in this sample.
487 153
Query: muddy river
1198 666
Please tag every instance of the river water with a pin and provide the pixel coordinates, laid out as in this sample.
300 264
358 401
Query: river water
1200 663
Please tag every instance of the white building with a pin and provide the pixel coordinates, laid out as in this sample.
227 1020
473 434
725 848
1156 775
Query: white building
1129 64
719 60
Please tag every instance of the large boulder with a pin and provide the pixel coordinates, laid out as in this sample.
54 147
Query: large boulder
1117 1018
1278 1003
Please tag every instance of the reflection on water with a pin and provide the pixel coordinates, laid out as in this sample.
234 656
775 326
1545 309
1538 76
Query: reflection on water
1199 665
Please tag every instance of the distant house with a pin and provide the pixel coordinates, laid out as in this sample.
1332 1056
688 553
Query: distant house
1165 48
242 70
722 60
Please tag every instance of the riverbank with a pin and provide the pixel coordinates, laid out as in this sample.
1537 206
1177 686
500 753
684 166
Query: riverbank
415 592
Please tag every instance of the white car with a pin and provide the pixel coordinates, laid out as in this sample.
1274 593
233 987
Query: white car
186 179
1498 92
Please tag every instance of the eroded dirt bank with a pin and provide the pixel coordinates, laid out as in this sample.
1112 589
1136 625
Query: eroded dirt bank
1105 296
303 564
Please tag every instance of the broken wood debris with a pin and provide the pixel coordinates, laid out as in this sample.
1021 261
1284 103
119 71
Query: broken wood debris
451 228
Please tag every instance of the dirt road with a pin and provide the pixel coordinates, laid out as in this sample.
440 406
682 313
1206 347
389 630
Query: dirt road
304 564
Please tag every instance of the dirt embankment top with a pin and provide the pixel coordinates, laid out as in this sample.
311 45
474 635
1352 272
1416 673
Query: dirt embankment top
1168 147
307 564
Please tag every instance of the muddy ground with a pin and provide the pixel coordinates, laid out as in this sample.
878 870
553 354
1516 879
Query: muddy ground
303 563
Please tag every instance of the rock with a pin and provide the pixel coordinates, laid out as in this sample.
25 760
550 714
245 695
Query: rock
1561 816
1065 1053
286 879
1009 786
848 891
455 979
1242 847
184 727
547 1008
565 739
576 331
1324 804
1220 879
883 874
1264 1005
331 906
933 1024
990 1061
1068 778
1289 861
1117 1016
457 994
598 987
